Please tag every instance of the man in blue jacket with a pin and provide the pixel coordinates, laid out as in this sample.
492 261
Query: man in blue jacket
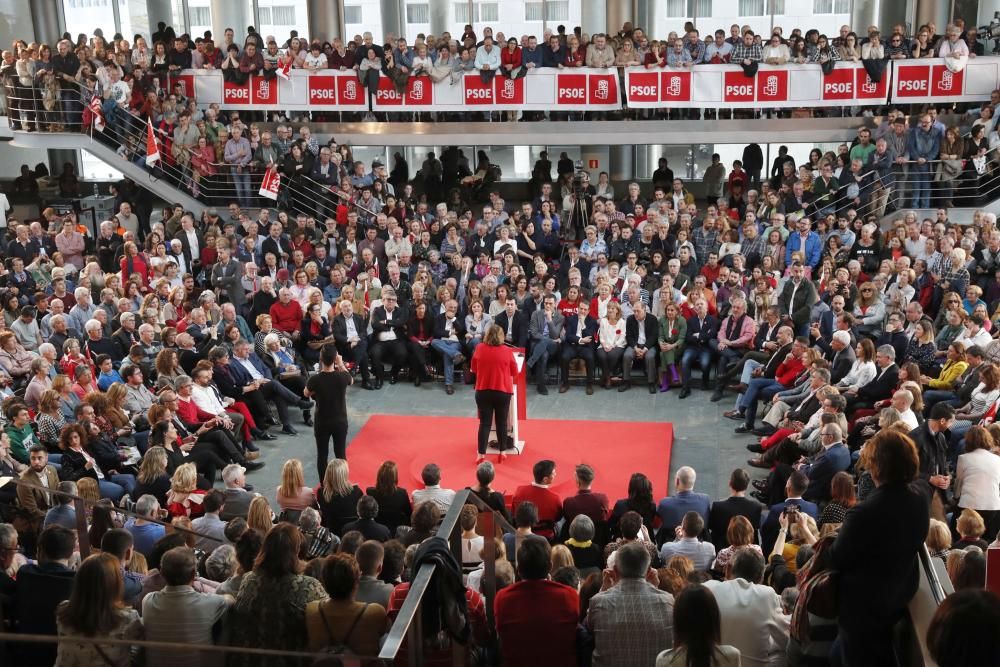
923 148
579 337
833 458
803 240
672 509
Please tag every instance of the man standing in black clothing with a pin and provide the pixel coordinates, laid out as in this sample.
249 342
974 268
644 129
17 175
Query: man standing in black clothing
329 389
737 504
663 177
65 65
753 163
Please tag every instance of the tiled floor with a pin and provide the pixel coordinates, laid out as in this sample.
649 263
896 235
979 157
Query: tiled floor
704 439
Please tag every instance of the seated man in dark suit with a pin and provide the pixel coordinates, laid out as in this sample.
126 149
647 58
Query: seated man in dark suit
247 366
388 337
834 457
642 332
545 329
238 386
794 488
350 335
41 587
702 331
736 504
841 356
238 494
579 336
672 509
514 324
894 334
886 379
366 525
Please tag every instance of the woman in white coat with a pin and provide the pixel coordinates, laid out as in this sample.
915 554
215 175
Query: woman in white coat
977 478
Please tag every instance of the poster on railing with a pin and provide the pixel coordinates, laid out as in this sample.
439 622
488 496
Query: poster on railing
917 80
326 89
711 86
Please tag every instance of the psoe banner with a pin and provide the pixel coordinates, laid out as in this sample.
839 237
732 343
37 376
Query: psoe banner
711 86
326 89
918 80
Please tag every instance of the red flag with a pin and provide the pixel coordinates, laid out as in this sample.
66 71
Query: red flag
152 147
286 65
269 186
98 113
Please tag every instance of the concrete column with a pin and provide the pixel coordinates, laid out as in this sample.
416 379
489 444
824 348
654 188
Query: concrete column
439 16
618 13
48 19
326 19
229 14
392 19
156 11
593 17
932 11
622 161
646 12
883 13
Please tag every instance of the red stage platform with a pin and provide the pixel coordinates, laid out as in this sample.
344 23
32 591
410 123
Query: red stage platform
614 449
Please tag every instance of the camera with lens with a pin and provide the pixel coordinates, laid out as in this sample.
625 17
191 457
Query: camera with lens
992 31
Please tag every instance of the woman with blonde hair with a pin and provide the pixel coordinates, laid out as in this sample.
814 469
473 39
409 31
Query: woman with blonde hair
560 557
869 310
612 342
938 539
184 498
293 494
260 517
152 477
50 420
338 496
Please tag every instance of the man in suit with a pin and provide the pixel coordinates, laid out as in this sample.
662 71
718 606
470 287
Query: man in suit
892 522
35 502
449 332
841 356
227 273
894 335
833 458
277 242
702 329
237 385
672 509
797 298
737 504
388 337
238 494
367 509
578 342
591 503
642 333
794 488
932 450
349 334
821 331
548 503
882 386
545 330
514 324
192 244
765 342
247 367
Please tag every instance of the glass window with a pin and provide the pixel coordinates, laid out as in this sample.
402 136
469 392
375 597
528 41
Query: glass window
534 11
488 11
701 8
135 18
462 12
831 6
87 15
751 7
278 17
777 7
201 19
676 9
418 13
352 14
482 12
557 10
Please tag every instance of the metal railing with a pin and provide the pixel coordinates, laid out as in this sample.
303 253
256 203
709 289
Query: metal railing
407 627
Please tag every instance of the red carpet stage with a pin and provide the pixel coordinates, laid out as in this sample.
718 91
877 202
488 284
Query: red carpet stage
614 449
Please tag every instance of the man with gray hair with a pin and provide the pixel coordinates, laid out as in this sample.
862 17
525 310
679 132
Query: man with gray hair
881 388
833 458
631 619
317 541
672 509
238 494
145 532
84 310
752 617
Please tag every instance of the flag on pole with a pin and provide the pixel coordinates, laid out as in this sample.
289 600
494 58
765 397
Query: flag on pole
97 111
152 147
285 67
272 181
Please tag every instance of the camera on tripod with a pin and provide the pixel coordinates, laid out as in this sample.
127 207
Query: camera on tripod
992 31
578 178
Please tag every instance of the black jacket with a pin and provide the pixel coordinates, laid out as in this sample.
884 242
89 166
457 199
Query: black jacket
651 326
882 386
444 605
458 327
381 322
339 328
722 513
519 330
933 451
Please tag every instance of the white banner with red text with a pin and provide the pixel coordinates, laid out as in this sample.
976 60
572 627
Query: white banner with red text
726 86
918 81
335 90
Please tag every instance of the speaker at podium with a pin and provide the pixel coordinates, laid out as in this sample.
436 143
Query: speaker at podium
518 410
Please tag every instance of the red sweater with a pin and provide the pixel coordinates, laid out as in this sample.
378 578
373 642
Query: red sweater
286 317
508 58
494 367
549 507
534 609
788 370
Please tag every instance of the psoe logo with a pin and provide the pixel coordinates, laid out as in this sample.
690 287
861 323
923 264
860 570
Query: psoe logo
417 91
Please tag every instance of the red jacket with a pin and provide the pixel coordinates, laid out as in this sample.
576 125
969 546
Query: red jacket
788 370
508 58
494 367
534 609
287 318
548 503
190 413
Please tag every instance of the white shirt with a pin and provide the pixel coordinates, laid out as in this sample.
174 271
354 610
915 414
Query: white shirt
193 244
352 331
641 342
388 334
909 418
752 621
251 369
207 399
977 480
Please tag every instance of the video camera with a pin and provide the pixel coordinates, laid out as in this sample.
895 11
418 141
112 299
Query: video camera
578 177
992 31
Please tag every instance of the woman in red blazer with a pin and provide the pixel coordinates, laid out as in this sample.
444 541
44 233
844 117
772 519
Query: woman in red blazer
494 367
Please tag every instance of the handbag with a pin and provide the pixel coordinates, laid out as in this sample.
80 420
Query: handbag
827 65
818 595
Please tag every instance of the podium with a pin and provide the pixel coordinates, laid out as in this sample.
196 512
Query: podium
518 409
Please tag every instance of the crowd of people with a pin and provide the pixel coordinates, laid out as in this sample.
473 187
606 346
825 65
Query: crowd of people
139 367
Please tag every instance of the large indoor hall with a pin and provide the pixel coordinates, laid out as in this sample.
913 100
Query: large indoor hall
499 333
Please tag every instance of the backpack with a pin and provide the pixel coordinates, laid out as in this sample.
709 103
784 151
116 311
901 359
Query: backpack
339 653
